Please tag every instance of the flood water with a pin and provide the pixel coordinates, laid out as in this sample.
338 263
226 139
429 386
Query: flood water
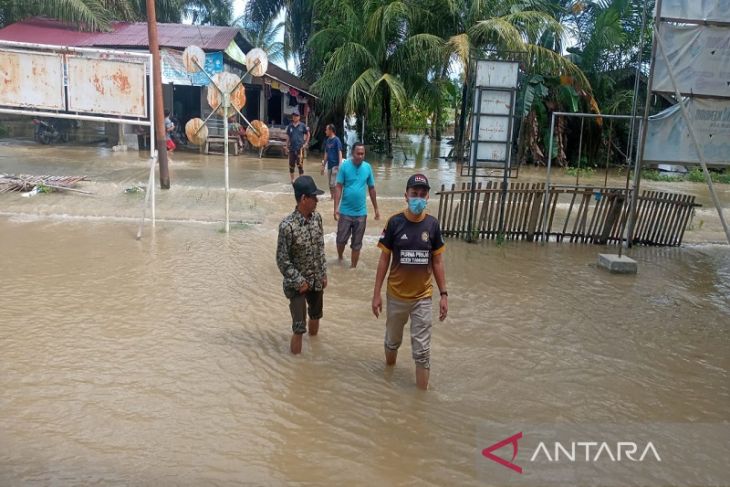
165 361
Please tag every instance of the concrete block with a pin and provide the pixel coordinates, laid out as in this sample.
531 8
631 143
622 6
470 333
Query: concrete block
617 265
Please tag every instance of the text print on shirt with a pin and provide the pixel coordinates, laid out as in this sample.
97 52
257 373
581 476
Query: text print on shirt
414 256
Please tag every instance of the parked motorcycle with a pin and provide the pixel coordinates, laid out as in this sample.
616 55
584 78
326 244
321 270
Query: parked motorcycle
50 131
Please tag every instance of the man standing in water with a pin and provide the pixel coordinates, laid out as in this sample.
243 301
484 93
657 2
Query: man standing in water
414 241
351 212
301 260
297 138
332 157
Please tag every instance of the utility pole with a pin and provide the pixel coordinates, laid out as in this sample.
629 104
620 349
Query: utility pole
158 108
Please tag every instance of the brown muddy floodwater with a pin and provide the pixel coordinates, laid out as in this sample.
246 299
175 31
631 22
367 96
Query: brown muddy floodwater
165 361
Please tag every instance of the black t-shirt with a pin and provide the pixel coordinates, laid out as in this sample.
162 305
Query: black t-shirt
296 134
413 241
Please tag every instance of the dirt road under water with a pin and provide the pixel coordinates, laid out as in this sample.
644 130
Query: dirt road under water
165 361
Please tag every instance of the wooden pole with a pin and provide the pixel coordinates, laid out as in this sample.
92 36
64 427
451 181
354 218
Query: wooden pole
158 110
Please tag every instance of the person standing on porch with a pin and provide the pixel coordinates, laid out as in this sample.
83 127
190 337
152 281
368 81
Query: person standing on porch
297 138
351 212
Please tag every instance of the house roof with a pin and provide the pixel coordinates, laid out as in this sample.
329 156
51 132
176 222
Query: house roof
133 35
44 31
178 36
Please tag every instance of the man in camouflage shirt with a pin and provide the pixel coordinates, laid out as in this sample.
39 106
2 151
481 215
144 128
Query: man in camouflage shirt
301 259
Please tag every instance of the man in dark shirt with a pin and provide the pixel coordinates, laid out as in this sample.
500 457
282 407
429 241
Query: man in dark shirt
297 138
332 157
414 241
301 260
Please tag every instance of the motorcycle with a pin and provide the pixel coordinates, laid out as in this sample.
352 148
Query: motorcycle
49 131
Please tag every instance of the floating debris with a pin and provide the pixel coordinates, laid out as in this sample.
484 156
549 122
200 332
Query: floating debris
30 193
135 189
43 184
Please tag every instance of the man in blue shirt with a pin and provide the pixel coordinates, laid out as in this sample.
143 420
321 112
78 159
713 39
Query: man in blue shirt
353 178
297 139
332 157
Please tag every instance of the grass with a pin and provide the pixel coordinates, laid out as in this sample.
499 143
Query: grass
654 175
697 176
583 171
694 176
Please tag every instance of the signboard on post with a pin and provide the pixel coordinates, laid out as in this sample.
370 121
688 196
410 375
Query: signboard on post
493 118
76 83
31 79
497 74
111 87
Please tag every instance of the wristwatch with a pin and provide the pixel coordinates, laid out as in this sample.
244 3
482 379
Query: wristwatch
444 293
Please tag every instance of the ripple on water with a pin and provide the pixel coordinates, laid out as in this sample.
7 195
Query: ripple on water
153 361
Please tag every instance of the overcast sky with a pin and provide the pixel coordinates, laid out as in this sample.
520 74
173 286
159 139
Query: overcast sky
238 6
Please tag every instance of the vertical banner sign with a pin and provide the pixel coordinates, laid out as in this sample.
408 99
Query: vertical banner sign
704 10
668 139
700 58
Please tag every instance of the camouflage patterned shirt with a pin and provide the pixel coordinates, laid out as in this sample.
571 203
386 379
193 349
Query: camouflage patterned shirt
300 252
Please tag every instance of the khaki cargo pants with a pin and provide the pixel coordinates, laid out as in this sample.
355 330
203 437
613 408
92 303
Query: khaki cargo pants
419 311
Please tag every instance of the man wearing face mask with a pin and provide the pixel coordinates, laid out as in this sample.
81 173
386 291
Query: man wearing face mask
413 239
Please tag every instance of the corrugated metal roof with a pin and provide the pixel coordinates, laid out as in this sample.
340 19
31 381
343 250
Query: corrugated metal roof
123 34
44 31
178 36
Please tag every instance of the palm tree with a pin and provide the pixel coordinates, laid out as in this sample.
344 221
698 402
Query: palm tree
502 26
263 34
207 12
299 21
367 48
609 37
96 14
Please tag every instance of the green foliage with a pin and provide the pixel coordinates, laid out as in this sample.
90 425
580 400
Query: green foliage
95 15
412 117
582 172
696 175
654 175
263 34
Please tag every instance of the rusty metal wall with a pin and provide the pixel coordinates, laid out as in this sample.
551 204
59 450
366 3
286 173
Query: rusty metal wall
31 80
104 86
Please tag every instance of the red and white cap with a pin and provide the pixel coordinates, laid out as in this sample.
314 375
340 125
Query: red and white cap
418 180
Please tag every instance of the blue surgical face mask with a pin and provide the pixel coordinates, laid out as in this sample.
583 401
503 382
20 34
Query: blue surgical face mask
416 205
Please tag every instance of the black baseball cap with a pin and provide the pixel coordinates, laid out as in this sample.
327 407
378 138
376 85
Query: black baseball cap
418 180
305 185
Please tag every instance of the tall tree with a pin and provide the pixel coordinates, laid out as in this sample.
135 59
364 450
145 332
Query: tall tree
264 34
97 14
299 21
366 47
